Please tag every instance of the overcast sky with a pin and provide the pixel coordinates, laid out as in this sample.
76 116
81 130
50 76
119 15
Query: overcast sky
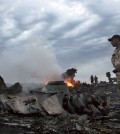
41 38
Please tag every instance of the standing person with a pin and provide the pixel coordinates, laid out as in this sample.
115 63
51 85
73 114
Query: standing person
109 77
115 41
92 79
96 79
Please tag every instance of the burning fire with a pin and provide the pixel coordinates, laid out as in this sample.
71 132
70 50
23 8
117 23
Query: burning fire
69 84
72 84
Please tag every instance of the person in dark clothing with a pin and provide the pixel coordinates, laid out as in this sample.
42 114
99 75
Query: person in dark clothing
96 79
91 79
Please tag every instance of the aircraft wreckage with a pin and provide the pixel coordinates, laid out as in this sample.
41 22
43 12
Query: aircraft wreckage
69 102
57 97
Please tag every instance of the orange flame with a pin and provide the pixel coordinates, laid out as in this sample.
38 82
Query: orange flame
69 84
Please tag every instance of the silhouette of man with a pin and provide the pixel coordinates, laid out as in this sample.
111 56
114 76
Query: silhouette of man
92 79
96 79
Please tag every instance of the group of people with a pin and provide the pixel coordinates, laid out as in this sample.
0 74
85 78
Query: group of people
115 41
94 79
115 59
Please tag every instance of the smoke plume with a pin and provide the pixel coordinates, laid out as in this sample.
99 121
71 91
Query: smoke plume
31 62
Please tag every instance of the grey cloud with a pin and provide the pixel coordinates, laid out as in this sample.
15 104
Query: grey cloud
58 33
82 56
108 8
85 47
